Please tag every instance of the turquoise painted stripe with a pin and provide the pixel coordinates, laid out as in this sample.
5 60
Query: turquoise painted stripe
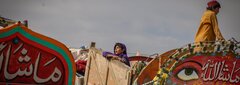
44 43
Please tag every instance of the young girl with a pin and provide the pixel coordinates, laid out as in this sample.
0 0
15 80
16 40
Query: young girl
120 53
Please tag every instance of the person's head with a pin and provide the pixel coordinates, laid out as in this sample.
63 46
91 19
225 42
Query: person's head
120 48
214 6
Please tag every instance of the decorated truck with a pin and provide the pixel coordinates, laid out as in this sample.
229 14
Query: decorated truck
27 57
203 63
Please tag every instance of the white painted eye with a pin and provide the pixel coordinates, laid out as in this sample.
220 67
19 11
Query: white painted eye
187 74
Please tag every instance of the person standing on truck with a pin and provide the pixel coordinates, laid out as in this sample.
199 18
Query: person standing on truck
120 53
208 29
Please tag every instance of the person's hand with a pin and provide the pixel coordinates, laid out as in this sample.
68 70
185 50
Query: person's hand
115 57
109 56
118 58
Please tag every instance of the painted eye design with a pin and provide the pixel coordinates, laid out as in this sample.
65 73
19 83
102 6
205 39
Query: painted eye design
187 74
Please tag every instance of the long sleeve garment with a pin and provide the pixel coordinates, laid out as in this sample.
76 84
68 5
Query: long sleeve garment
208 29
122 56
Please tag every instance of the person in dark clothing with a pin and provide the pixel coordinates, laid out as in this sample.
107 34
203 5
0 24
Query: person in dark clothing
120 53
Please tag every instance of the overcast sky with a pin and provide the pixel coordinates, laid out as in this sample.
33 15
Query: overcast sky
148 26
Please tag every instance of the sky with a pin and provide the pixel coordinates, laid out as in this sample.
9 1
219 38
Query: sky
147 26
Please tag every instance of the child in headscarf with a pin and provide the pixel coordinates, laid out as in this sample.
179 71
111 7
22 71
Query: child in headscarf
120 53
